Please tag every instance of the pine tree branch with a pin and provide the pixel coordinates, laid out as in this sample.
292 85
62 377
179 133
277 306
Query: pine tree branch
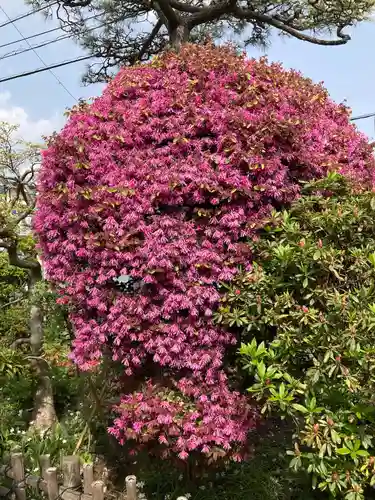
185 7
251 15
171 16
208 14
76 3
122 43
150 39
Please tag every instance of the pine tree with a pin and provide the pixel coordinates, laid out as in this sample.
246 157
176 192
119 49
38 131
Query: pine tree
122 32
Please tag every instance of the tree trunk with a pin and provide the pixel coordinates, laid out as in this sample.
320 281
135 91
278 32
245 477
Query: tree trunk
178 36
177 28
44 414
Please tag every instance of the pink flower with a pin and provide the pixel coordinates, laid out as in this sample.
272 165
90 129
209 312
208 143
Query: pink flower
137 241
183 455
137 426
163 439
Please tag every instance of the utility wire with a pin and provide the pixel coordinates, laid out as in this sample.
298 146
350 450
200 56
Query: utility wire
48 42
30 13
30 37
48 68
41 33
23 51
361 117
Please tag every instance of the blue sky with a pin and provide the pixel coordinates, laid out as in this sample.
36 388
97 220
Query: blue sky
38 102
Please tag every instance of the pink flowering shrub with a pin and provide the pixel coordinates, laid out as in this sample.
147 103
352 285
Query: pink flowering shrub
145 201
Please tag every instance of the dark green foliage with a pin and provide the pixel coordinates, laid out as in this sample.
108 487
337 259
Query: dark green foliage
306 319
12 279
13 309
16 403
264 476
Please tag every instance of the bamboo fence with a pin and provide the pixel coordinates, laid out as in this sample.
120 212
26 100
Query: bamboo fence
71 482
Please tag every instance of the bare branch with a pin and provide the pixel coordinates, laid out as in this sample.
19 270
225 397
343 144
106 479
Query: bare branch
27 212
150 39
31 172
12 302
19 342
16 260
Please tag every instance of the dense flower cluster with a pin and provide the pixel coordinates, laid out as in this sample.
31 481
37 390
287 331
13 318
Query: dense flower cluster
186 417
145 200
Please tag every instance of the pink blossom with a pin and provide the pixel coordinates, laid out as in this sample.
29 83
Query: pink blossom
184 160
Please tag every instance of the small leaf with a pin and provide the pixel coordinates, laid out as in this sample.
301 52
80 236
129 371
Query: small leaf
343 451
316 255
362 453
261 370
322 450
300 408
335 437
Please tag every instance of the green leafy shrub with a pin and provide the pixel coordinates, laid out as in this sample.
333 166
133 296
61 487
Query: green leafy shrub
16 403
57 441
263 476
12 279
305 316
14 307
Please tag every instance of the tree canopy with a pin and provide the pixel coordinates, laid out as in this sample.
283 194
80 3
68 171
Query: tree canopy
121 32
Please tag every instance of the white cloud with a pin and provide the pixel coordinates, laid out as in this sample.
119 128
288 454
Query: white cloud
30 129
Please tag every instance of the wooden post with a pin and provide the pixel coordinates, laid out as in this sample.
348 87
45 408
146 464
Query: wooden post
88 478
45 463
71 471
131 488
98 490
52 484
18 470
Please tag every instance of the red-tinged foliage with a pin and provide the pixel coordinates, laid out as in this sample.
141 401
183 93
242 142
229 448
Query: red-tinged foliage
162 179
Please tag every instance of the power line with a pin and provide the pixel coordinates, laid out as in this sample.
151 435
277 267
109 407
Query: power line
23 51
27 14
48 42
41 33
361 117
41 70
30 37
38 56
